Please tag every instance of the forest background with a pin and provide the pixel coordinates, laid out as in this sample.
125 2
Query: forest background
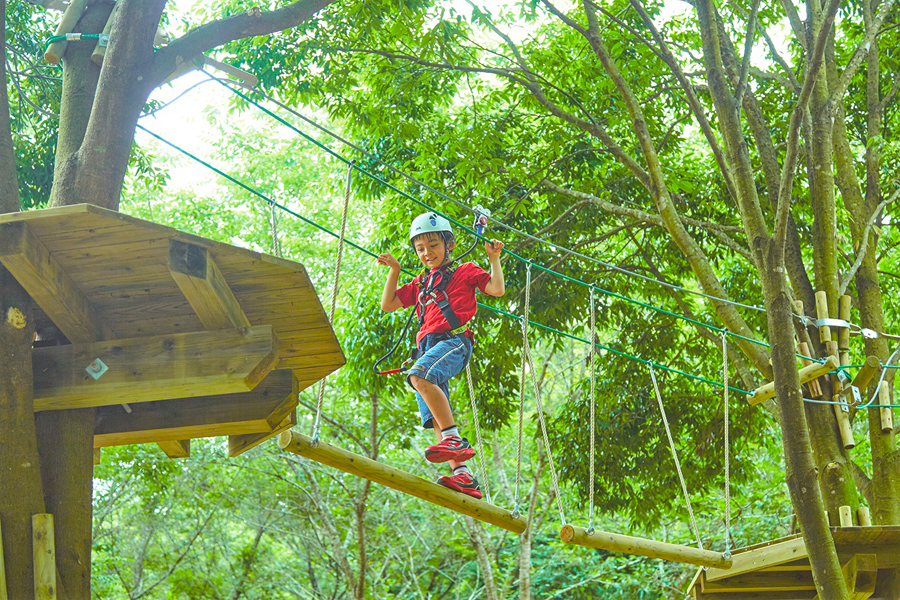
446 92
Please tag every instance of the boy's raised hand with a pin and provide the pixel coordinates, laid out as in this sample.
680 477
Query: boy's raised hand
493 248
388 260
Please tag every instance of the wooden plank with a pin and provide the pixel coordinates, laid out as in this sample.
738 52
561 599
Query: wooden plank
44 552
3 593
762 581
202 283
238 444
98 456
226 414
376 472
627 544
766 556
29 261
176 448
796 595
161 367
764 392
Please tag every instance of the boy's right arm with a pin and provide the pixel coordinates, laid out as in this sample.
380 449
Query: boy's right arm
389 300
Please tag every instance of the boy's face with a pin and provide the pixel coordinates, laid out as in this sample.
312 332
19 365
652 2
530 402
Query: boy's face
431 250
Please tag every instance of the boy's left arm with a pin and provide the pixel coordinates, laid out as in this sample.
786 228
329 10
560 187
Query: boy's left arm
496 286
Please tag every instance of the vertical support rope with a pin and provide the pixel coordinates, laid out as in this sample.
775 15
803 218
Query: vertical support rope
687 498
481 457
593 351
540 411
334 293
524 323
727 449
276 249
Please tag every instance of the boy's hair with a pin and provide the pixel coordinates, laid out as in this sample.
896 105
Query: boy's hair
446 236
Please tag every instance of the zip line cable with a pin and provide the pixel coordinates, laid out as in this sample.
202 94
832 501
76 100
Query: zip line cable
493 309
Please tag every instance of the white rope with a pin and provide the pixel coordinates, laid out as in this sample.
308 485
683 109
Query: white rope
276 249
522 386
665 420
593 350
334 293
481 457
727 449
540 410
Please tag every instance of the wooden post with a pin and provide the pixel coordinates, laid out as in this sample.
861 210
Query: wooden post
642 547
44 557
55 51
844 333
887 413
815 390
846 516
865 374
100 51
808 373
865 517
3 594
376 472
822 313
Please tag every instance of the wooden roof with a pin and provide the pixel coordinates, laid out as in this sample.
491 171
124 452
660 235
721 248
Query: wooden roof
780 570
120 287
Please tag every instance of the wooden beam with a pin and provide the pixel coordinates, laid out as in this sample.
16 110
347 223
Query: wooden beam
29 261
860 573
154 368
643 547
760 558
201 282
3 593
808 373
98 456
176 448
762 581
797 595
238 444
44 552
376 472
185 418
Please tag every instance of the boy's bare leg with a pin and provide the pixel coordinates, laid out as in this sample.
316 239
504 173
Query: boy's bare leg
439 406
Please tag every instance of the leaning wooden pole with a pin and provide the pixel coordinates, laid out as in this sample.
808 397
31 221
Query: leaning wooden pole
626 544
44 546
3 594
401 481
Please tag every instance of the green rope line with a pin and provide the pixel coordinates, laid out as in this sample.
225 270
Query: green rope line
480 305
70 37
462 226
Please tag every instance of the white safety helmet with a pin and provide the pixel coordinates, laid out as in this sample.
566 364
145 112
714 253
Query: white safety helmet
431 222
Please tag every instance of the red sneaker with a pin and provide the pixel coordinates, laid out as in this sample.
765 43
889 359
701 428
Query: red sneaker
450 448
461 482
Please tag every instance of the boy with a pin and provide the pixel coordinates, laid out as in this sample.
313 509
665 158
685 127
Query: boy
445 302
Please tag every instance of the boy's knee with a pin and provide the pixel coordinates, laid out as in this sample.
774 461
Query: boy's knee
417 381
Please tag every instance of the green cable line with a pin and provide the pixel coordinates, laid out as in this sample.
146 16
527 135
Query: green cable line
372 254
74 38
474 233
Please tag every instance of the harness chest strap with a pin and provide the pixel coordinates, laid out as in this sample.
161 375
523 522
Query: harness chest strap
429 293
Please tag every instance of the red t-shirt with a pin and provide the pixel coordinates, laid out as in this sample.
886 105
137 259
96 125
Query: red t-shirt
467 278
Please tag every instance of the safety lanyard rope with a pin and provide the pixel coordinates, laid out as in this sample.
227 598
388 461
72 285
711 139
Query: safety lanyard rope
593 351
481 459
524 322
526 349
727 449
687 498
334 293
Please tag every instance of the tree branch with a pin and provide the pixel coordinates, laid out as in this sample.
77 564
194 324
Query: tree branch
863 247
210 35
748 46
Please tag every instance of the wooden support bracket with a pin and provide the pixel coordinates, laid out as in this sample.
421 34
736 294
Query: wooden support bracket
161 367
815 390
844 315
865 517
291 441
176 448
808 373
865 374
3 593
201 281
44 548
238 444
29 261
100 50
822 313
887 413
861 573
642 547
845 514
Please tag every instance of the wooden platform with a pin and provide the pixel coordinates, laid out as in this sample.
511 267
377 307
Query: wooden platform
171 316
779 570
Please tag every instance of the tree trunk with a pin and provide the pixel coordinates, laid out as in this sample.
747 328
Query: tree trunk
9 183
476 535
20 481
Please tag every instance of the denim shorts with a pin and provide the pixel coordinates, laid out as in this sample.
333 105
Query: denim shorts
441 359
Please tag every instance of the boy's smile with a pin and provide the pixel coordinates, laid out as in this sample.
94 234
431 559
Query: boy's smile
431 250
